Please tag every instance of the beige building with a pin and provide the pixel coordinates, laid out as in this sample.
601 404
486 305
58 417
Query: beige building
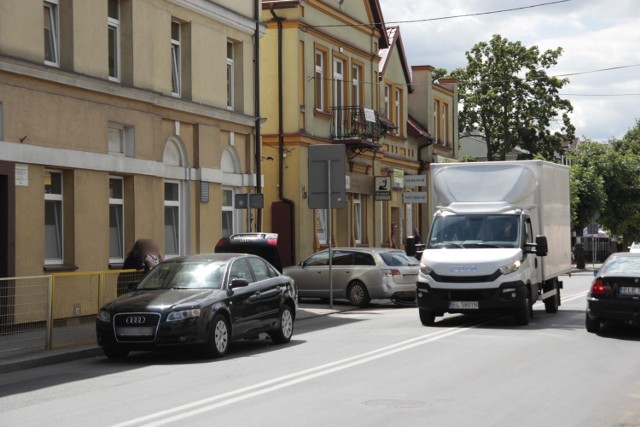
126 120
332 73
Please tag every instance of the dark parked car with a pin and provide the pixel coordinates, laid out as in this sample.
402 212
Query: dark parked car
615 292
205 301
264 245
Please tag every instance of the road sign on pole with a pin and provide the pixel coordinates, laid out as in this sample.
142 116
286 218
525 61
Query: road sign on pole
327 187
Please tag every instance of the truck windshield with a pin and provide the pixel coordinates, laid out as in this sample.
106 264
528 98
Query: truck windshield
474 231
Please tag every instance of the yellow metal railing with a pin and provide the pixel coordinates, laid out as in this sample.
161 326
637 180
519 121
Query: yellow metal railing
57 310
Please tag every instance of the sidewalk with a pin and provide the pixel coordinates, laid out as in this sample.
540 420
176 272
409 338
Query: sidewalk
34 358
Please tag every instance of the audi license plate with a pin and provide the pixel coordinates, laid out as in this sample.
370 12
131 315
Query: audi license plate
135 331
463 305
629 291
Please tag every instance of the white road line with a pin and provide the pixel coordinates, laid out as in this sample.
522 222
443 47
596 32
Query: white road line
575 296
224 399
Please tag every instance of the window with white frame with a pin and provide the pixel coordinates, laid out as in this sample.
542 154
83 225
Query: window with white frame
357 218
113 29
172 218
387 94
175 59
338 95
51 35
398 111
319 80
121 139
230 73
321 226
53 243
355 85
444 123
436 106
116 219
228 226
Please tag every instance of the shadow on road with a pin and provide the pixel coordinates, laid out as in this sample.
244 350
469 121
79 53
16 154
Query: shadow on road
563 319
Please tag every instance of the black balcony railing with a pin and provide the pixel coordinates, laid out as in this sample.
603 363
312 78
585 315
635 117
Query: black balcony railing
357 127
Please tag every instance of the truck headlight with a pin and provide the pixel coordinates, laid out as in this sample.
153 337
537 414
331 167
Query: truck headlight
104 316
174 316
425 269
510 268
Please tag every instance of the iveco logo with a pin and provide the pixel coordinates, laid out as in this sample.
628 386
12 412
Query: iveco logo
135 320
463 269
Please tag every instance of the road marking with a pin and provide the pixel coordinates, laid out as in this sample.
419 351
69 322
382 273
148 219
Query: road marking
194 408
208 404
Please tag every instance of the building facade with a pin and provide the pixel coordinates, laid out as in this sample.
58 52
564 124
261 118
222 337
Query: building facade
127 120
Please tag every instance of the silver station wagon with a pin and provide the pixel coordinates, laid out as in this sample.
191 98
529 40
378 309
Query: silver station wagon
359 275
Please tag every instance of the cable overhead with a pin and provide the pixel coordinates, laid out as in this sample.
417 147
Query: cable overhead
443 18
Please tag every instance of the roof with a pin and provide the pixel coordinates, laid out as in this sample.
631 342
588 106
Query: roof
416 130
395 42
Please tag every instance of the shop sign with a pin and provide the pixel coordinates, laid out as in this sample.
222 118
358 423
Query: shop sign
382 188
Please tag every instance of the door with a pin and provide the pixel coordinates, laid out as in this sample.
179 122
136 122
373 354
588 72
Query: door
267 297
7 244
312 276
245 315
342 272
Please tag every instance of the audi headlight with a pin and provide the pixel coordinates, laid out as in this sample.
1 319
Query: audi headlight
104 316
425 269
510 268
174 316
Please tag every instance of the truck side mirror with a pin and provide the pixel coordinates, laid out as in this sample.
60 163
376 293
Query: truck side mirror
542 247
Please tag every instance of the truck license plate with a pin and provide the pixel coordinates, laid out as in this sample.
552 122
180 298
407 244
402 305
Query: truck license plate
629 291
463 305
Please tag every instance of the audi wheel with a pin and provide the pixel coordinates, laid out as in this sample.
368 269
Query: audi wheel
282 335
219 337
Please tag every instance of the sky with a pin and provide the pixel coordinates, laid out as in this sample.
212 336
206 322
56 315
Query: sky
594 34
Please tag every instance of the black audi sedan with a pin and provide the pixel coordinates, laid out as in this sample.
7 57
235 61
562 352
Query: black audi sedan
203 301
615 292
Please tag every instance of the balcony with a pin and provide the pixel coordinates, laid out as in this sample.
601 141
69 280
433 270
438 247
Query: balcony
357 128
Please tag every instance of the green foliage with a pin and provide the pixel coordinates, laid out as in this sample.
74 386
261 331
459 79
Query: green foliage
438 73
605 179
508 97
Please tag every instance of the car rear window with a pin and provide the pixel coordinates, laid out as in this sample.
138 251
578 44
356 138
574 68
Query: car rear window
621 265
397 259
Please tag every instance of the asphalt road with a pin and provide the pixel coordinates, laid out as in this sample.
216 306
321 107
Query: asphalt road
373 367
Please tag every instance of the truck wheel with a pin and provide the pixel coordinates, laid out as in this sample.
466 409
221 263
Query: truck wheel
592 325
523 315
428 318
551 304
358 295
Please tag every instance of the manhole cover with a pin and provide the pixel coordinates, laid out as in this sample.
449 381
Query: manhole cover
396 403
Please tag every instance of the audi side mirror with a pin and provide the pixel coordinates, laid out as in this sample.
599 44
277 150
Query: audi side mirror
239 283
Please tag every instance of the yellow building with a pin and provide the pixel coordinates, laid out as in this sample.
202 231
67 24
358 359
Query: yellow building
127 120
331 72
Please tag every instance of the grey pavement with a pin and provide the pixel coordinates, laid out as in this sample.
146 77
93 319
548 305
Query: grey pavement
17 359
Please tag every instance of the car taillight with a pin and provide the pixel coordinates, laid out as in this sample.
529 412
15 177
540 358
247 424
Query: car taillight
598 288
272 242
392 272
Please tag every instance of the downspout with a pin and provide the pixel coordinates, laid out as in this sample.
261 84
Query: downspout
256 97
281 151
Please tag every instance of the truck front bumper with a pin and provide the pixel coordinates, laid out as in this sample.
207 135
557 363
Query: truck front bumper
509 296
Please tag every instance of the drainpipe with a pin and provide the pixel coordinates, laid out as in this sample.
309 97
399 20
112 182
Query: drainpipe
281 151
256 96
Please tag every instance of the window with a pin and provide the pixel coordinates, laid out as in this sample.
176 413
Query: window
398 111
342 258
53 245
230 72
317 260
175 59
116 219
121 139
444 126
240 270
113 28
260 269
338 95
319 80
436 107
360 258
357 218
321 226
227 213
355 86
51 36
172 218
387 94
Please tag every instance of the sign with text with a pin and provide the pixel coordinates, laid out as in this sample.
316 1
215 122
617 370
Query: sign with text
414 197
382 188
412 181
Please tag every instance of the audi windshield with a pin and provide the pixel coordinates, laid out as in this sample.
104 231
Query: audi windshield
475 231
185 275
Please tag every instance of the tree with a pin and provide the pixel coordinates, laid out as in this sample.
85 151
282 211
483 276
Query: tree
508 97
586 183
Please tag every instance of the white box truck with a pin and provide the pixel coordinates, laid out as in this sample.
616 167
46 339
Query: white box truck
499 240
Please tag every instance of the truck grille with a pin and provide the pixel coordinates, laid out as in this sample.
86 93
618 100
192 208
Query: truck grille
136 327
465 279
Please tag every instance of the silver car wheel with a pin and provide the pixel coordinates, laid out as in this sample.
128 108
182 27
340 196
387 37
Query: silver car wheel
357 294
286 323
221 336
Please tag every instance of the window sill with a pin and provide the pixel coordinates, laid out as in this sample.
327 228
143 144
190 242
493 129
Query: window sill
60 267
116 265
322 114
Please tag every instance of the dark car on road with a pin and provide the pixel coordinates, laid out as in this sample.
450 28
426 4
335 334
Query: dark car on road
615 292
203 301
